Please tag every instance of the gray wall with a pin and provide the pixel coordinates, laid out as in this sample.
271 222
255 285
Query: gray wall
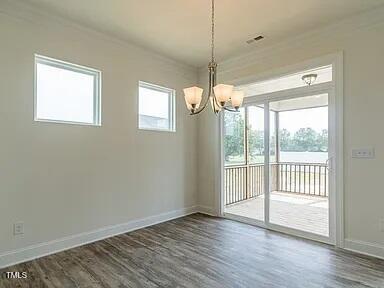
62 180
362 41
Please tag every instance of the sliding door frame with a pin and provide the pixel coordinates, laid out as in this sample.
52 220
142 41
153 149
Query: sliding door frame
334 89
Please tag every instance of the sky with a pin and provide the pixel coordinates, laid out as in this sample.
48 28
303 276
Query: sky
67 95
153 103
64 95
315 118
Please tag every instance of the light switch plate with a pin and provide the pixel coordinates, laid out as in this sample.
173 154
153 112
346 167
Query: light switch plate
366 153
18 228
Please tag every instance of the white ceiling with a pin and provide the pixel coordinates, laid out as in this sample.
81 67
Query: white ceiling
180 29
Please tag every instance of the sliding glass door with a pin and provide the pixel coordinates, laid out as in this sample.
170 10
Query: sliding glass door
276 170
244 162
298 195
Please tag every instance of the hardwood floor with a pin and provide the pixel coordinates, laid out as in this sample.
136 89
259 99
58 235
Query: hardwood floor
201 251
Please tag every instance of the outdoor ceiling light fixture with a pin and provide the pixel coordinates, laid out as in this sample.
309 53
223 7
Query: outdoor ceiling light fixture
309 79
218 95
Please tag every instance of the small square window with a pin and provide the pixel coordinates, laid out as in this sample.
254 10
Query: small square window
66 93
156 107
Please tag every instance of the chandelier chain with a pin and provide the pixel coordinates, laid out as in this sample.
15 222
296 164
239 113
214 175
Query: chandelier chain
219 100
213 32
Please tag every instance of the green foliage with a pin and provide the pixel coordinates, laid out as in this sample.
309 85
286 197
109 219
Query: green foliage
322 141
234 135
285 140
256 142
303 140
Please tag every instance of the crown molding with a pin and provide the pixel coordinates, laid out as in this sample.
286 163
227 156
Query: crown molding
341 28
21 10
27 11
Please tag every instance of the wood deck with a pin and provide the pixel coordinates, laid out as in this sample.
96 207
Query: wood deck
201 251
302 212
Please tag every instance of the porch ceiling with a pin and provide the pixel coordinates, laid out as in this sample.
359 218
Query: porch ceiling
300 103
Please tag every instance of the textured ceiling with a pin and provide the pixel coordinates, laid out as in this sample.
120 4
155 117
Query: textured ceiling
180 29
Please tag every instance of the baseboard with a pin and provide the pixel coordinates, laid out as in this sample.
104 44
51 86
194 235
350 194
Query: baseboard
206 210
366 248
43 249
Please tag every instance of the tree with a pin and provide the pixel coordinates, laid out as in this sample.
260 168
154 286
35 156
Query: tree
322 141
285 140
305 140
234 135
256 142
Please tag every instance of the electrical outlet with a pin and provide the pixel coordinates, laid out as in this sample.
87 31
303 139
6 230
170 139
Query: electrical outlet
382 225
18 228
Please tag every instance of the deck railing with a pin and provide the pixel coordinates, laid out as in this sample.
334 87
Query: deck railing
242 182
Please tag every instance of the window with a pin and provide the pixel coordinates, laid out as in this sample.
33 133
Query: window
156 107
66 92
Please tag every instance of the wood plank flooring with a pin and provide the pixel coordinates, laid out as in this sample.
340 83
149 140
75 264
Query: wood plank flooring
201 251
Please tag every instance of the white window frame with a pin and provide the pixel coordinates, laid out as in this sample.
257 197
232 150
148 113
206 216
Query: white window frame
171 106
39 59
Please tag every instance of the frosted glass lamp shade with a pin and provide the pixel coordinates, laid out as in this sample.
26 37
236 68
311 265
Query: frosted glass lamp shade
192 96
223 93
309 79
237 99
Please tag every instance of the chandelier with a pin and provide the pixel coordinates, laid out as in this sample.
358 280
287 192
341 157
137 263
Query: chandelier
220 96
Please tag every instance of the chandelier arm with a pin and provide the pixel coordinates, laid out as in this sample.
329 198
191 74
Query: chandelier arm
215 104
198 111
211 83
202 107
230 110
